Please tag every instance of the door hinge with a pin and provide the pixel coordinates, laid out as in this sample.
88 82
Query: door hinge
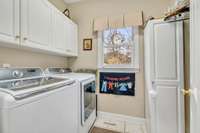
186 92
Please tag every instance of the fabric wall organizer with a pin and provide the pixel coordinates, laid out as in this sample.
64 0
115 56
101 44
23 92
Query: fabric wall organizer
117 83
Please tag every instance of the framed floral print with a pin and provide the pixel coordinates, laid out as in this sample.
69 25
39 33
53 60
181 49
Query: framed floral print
87 44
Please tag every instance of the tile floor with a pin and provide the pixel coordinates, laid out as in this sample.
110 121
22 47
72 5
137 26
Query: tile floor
101 130
118 126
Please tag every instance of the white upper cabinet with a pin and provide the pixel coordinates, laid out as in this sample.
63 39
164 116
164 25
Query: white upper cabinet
9 21
36 23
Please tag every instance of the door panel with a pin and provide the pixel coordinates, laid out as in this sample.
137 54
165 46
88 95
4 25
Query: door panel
165 51
36 23
166 107
9 17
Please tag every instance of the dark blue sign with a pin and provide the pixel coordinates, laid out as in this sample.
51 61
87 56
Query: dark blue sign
117 83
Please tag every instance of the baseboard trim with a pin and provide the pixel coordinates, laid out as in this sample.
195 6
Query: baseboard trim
125 118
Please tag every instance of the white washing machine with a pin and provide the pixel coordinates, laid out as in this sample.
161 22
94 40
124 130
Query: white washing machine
87 93
33 103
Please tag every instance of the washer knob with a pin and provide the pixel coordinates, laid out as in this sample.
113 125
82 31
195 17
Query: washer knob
18 74
62 70
16 84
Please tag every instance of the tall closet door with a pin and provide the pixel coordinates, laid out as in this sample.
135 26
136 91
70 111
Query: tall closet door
167 77
9 21
36 23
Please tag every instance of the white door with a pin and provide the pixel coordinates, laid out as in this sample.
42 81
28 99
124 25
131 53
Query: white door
166 74
36 23
9 21
195 67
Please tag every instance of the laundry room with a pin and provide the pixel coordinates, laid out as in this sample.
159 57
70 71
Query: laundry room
99 66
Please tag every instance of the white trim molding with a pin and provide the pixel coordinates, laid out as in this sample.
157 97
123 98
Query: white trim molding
120 123
194 66
120 117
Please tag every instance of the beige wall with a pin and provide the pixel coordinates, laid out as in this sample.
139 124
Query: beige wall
84 13
22 58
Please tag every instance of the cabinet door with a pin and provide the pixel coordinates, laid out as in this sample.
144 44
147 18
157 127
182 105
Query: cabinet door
68 37
59 32
9 21
73 42
36 23
75 39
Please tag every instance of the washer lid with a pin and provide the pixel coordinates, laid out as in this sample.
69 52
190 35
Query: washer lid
67 73
25 88
22 84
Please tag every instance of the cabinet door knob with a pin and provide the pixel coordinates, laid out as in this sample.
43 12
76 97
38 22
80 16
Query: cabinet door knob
25 38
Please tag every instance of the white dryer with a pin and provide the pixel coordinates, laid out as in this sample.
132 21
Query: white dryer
87 93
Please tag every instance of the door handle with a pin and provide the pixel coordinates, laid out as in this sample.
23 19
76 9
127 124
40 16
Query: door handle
186 92
153 94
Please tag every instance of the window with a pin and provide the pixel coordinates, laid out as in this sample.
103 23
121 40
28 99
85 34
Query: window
118 48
